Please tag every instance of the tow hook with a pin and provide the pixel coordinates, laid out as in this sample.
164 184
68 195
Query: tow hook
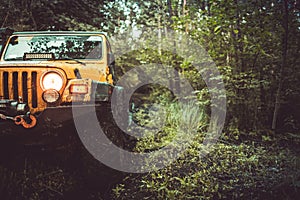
27 120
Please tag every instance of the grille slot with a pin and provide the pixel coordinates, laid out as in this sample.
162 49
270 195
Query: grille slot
5 85
20 84
24 87
34 89
15 85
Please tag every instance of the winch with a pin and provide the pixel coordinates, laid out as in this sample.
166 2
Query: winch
13 107
17 112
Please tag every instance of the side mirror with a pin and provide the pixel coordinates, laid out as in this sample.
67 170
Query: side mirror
111 65
110 59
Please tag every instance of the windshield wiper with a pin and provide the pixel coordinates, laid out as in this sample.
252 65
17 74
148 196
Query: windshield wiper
73 59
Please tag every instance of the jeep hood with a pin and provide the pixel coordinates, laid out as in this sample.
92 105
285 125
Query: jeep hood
92 70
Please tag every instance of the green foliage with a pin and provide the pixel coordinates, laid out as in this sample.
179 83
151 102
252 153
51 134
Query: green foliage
229 171
62 15
180 120
245 40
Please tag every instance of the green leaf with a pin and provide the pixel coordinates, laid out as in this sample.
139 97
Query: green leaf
217 29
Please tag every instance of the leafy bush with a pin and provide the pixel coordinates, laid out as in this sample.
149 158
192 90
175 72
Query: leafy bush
229 171
232 170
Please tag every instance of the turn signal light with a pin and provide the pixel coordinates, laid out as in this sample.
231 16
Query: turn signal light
79 89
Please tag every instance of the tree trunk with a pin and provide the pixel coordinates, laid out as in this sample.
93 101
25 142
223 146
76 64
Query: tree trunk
159 34
175 83
184 14
283 63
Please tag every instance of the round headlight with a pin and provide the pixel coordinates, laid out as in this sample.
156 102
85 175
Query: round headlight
50 96
52 80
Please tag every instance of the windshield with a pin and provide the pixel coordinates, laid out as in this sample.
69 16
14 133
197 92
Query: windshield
61 46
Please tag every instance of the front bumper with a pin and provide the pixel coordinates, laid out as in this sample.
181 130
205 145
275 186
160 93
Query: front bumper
54 124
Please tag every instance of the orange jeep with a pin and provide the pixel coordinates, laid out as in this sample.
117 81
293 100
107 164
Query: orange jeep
43 73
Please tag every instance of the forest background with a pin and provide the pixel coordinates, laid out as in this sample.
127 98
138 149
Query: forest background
255 45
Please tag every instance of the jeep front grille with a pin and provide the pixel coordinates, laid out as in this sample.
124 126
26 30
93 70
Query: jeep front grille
20 85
